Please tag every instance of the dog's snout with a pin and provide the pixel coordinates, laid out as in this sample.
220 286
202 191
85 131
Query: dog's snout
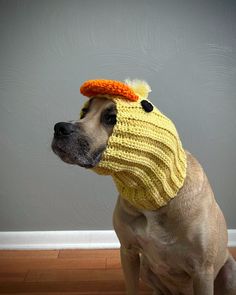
63 129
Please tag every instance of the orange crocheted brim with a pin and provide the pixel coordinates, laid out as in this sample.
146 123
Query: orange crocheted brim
111 87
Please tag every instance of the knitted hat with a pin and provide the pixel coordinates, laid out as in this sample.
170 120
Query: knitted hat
144 154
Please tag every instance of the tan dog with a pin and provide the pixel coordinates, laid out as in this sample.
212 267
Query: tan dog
179 249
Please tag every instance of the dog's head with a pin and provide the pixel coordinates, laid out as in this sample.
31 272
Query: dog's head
83 142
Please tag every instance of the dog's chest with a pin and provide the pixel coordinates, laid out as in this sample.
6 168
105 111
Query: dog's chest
154 240
160 250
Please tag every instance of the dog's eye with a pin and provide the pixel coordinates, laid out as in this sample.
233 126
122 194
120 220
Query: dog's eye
109 119
83 113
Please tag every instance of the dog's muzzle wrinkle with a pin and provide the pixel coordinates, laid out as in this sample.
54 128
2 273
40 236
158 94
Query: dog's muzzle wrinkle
83 144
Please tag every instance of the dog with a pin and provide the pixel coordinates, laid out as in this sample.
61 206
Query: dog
178 249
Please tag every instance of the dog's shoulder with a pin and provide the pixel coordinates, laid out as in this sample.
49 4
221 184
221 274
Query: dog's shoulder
195 177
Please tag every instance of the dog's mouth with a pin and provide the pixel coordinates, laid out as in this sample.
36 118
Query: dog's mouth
77 152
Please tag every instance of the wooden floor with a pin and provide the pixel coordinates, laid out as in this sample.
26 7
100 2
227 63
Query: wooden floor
64 272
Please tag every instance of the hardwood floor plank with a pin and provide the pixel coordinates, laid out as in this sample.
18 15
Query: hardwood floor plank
80 293
24 254
77 253
20 265
69 275
113 262
12 276
82 286
61 286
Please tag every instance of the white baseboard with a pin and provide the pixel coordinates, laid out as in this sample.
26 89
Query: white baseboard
79 239
98 239
232 237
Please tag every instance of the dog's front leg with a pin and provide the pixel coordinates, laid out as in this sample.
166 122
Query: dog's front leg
130 261
131 267
203 283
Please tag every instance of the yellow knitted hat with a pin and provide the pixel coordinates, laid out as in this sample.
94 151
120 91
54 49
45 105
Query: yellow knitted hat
144 154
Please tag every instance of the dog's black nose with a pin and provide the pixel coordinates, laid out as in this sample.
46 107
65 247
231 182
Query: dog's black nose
63 129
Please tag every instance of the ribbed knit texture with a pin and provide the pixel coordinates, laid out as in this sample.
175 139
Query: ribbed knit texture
144 155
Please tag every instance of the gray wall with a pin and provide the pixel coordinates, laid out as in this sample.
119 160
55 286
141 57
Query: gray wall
186 50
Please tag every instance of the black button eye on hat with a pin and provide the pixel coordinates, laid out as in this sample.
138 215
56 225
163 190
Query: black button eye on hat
147 106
